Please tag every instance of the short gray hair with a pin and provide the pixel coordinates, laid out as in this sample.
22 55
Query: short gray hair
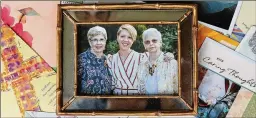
96 30
152 32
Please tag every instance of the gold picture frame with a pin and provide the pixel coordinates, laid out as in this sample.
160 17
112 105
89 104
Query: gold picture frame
70 17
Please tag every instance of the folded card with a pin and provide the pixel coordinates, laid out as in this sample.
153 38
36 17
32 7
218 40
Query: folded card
247 48
204 32
229 64
212 86
27 81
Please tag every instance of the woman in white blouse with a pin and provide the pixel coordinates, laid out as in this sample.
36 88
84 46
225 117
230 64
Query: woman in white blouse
155 75
124 64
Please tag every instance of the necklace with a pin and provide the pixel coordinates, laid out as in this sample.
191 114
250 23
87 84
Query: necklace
151 69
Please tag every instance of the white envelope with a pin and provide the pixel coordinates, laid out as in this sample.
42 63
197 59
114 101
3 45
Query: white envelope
212 87
228 63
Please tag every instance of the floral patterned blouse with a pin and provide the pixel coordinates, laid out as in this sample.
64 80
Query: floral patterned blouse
94 77
164 79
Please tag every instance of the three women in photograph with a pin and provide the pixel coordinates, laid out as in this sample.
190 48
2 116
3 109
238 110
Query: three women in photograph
127 72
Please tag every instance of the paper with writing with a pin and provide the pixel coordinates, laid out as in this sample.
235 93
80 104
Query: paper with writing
244 96
212 86
228 63
24 75
46 91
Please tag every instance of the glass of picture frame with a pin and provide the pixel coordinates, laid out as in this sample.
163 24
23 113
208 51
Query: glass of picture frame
177 24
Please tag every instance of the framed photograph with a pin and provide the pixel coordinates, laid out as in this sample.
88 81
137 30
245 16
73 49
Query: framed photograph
127 59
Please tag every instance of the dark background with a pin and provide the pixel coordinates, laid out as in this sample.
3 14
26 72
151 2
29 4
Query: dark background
217 13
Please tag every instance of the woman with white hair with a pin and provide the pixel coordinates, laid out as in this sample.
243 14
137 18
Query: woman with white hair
155 75
124 64
94 77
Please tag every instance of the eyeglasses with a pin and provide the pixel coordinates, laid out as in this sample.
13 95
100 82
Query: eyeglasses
148 41
98 40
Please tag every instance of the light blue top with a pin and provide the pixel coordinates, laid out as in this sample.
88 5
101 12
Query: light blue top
152 84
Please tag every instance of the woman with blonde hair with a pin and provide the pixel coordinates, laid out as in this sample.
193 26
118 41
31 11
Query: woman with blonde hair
124 64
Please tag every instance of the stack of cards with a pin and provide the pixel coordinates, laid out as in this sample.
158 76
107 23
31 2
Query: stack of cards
230 65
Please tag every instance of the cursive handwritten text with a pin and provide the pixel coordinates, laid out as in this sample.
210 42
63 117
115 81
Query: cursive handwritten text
208 61
229 71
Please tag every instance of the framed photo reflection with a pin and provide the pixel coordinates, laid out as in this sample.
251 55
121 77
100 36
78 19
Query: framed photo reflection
127 59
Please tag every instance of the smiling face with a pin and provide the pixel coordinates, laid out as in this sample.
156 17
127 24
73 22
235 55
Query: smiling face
152 44
97 44
124 40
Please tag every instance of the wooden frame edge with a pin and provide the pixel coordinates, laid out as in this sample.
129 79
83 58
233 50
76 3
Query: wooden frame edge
126 6
133 113
75 60
157 6
190 107
59 65
70 18
184 16
68 103
179 58
195 56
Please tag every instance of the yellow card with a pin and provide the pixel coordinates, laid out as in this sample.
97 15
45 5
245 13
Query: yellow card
28 83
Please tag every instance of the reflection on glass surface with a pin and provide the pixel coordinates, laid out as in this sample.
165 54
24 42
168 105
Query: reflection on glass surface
90 15
127 104
125 15
68 60
89 104
187 61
